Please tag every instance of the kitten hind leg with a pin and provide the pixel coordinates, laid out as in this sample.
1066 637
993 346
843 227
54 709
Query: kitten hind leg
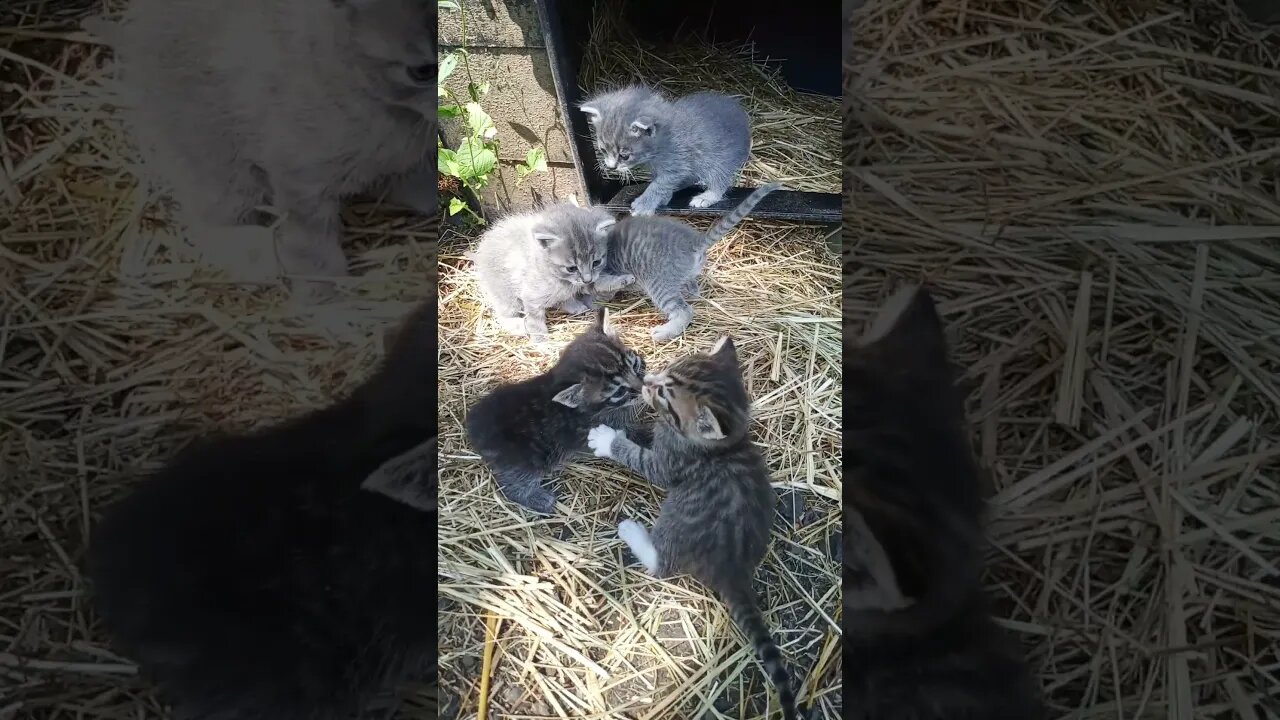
712 195
691 288
525 488
309 243
641 544
679 314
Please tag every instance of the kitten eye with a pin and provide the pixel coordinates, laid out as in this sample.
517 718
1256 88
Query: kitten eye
571 268
421 74
596 263
624 154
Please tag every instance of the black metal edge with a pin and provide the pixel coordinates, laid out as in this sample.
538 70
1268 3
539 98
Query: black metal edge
798 205
565 59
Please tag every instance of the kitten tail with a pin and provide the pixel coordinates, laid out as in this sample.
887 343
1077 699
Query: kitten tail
736 215
746 614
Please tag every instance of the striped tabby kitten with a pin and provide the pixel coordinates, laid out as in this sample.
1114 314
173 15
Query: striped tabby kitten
920 643
701 139
531 262
665 256
524 431
714 523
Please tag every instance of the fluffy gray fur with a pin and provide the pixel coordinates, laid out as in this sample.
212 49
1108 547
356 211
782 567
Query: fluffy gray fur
288 104
715 521
529 263
665 256
701 139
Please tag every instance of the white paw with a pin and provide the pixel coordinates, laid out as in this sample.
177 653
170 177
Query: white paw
637 538
600 440
704 200
666 333
639 210
629 531
512 325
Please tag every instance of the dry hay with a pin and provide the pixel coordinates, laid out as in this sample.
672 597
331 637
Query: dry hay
794 135
577 635
1092 188
116 347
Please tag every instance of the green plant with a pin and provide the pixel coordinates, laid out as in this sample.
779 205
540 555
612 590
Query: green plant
475 161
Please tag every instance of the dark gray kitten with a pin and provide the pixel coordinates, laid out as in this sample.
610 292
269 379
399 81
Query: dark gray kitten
919 642
524 431
286 574
292 104
529 263
714 523
665 256
701 139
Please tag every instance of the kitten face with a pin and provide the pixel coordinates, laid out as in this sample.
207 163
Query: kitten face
573 242
397 41
606 373
702 396
626 131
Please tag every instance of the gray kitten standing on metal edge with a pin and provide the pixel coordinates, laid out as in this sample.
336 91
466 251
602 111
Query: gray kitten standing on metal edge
919 641
665 257
289 104
715 521
526 430
701 139
531 262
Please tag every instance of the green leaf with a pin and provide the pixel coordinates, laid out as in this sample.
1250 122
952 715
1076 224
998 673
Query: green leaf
446 161
450 111
536 159
480 123
477 91
447 5
456 206
475 161
448 64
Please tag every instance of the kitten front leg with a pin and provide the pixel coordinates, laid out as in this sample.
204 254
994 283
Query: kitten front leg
310 240
607 442
656 195
637 538
577 304
535 322
613 283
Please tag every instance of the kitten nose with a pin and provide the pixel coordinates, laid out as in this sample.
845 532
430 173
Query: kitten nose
610 163
650 379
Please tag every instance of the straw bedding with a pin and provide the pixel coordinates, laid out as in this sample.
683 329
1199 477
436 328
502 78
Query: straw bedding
116 347
1092 189
795 136
574 632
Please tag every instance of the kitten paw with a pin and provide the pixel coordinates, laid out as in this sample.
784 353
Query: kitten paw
667 332
600 440
637 538
640 209
575 306
512 325
706 199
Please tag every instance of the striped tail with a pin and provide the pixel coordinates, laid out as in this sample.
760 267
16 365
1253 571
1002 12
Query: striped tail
736 215
746 614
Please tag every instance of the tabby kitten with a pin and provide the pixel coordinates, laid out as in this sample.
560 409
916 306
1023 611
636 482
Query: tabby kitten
280 574
524 431
701 139
531 262
665 256
715 521
293 104
920 643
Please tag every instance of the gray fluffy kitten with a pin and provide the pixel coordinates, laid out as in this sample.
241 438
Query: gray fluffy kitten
701 139
665 256
293 104
714 523
524 431
529 263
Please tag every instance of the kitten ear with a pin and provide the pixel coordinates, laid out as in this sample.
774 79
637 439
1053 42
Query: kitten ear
593 113
572 396
642 126
725 350
545 239
707 425
600 318
910 315
604 225
409 478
